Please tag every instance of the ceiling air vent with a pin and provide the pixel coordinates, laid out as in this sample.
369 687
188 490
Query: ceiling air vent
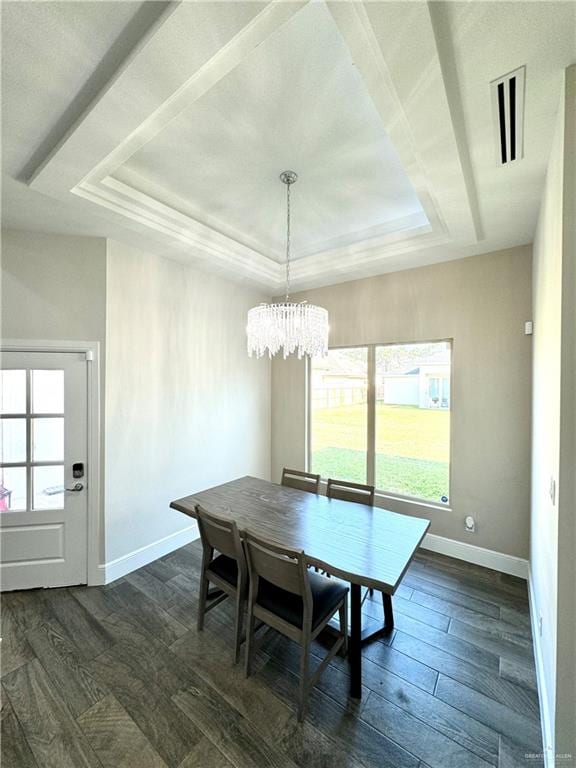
508 105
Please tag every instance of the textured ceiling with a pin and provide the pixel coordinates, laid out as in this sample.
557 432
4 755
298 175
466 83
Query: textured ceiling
54 58
297 101
166 124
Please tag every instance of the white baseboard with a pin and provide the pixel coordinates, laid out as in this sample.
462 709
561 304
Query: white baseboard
498 561
98 576
489 558
546 717
119 567
514 566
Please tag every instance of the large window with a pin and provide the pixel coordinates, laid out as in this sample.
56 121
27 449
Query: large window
339 408
381 414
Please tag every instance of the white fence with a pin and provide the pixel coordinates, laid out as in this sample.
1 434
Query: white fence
334 397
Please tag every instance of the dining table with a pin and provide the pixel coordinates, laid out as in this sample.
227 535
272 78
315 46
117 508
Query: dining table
366 546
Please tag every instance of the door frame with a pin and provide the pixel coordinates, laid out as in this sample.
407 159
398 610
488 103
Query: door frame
95 521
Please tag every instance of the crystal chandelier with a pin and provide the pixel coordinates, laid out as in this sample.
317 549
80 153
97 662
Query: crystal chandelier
287 325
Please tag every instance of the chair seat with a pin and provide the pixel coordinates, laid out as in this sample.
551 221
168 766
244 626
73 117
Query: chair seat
326 594
226 568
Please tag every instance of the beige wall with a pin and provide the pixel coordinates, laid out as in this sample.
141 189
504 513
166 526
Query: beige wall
553 523
185 407
54 287
547 278
481 303
566 672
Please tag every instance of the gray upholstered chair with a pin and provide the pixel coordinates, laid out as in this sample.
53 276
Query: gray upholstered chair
296 602
227 571
304 481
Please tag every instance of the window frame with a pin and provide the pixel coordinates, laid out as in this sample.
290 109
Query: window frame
371 419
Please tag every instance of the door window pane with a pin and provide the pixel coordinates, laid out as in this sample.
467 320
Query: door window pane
48 487
13 392
13 440
339 393
47 391
413 420
12 488
48 439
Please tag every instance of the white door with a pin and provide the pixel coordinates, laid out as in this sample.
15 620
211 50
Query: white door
43 507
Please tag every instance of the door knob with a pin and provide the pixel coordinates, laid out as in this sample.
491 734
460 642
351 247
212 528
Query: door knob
77 487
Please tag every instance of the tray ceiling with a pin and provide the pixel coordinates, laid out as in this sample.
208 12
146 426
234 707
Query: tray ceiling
176 137
296 101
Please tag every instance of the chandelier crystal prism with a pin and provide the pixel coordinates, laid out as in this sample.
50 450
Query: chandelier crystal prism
293 327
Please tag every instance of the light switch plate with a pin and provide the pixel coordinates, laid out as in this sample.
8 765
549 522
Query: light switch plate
553 490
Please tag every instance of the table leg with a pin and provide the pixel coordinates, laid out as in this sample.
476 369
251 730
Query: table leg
388 614
370 629
355 644
373 629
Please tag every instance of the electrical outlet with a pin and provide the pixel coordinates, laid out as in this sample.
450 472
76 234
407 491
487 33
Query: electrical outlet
553 490
540 626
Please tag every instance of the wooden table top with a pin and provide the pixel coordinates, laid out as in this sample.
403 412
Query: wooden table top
364 545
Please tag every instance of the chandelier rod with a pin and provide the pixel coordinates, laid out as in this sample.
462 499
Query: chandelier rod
287 242
288 178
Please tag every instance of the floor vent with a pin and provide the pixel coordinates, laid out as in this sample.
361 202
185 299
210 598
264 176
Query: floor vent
508 106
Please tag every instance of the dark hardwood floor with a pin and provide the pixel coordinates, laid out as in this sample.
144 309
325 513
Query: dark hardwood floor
118 677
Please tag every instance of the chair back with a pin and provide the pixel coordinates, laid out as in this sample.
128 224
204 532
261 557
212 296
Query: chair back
357 492
281 566
220 533
303 481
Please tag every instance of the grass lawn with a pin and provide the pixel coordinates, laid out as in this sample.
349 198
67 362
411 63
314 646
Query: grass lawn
412 447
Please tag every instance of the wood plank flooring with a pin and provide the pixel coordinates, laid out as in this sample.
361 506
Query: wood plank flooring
118 677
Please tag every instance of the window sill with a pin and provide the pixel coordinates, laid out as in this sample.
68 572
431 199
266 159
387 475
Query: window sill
383 497
413 502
